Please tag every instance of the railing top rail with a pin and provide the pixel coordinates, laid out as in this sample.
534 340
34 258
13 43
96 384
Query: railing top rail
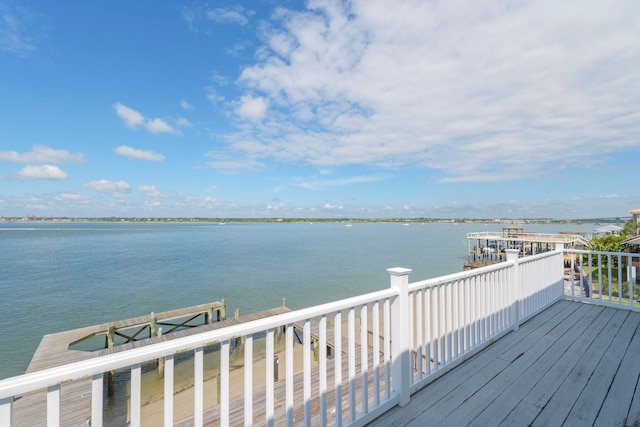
523 236
585 252
42 379
532 258
459 276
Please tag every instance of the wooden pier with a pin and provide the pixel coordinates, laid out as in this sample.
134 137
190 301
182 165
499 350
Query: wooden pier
486 248
54 350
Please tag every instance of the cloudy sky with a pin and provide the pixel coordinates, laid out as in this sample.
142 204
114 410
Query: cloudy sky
363 108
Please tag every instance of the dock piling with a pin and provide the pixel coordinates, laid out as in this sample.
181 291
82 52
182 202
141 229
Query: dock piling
111 375
160 360
152 325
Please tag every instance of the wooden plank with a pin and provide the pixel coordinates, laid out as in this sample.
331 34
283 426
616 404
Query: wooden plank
236 416
528 333
544 389
462 408
30 409
618 367
560 404
633 417
315 335
564 351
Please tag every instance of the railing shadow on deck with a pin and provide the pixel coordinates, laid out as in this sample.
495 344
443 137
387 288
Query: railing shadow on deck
353 360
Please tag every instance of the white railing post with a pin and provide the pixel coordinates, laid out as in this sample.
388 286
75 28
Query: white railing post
516 292
560 270
400 339
6 411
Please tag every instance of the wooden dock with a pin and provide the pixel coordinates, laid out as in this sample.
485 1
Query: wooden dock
75 397
55 349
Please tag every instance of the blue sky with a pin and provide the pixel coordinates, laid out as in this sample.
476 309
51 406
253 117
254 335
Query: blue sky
320 109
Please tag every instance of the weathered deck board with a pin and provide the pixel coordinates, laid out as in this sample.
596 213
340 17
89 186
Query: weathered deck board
471 376
463 403
572 364
541 378
623 387
236 416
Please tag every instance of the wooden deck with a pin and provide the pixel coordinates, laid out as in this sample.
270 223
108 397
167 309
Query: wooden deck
573 364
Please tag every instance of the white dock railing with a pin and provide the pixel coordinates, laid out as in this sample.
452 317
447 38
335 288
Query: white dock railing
371 352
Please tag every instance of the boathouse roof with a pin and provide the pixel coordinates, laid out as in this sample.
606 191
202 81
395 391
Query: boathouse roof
631 241
607 229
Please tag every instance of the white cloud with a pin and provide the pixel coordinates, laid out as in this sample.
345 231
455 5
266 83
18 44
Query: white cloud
185 105
482 91
320 184
182 122
114 188
226 163
49 172
237 48
42 154
133 153
71 197
21 30
212 95
330 207
151 191
159 126
200 19
131 117
252 108
227 16
134 119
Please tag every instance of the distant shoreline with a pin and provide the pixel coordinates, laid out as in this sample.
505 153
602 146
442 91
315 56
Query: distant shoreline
319 220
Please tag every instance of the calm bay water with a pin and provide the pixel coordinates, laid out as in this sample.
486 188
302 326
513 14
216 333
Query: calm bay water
60 276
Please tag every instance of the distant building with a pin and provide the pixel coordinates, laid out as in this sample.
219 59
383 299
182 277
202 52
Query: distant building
635 215
607 230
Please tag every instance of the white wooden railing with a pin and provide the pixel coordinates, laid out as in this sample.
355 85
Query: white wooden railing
605 278
371 352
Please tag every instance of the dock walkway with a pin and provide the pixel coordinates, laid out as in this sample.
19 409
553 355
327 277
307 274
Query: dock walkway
76 395
54 349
